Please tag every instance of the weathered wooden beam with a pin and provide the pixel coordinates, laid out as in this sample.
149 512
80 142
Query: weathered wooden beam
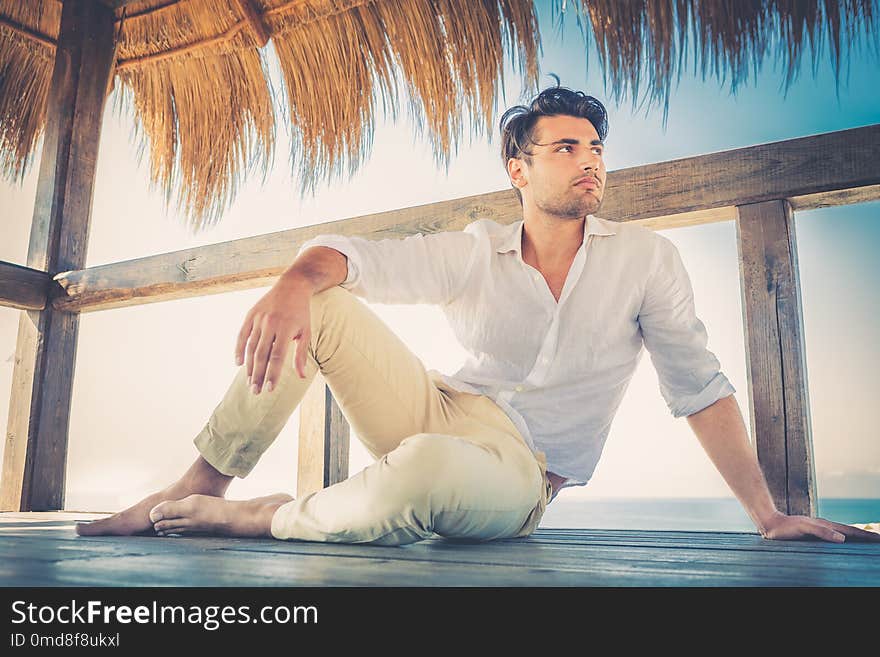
835 198
791 169
117 4
324 436
23 287
693 218
35 458
833 168
194 46
255 23
776 355
236 265
28 33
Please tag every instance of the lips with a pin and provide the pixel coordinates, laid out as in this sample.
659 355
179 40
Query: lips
587 182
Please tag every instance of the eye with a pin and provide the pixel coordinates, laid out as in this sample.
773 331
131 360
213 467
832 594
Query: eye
560 148
598 148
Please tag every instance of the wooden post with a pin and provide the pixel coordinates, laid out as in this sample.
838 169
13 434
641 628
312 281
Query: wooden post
35 459
775 353
323 440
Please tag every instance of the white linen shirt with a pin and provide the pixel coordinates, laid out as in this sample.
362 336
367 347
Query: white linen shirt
558 369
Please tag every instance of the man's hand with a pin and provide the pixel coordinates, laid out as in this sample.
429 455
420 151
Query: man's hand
280 316
784 527
722 432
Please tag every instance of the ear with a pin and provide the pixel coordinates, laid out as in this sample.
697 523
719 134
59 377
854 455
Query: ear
517 169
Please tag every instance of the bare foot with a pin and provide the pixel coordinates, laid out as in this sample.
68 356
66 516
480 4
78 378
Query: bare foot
135 520
215 515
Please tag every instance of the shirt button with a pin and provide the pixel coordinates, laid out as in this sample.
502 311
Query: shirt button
544 360
519 388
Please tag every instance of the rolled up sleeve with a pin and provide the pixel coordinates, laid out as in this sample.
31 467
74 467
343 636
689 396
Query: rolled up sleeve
689 374
429 269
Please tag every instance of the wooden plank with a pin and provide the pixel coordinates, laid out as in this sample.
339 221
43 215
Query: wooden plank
23 287
702 539
685 219
775 354
118 4
34 461
832 168
794 168
54 556
239 264
200 562
583 569
545 547
548 541
323 440
834 198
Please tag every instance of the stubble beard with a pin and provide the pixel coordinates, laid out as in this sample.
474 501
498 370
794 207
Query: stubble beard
575 205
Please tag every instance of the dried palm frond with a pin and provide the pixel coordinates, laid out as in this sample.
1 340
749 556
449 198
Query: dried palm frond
28 31
634 37
206 114
338 63
195 75
203 103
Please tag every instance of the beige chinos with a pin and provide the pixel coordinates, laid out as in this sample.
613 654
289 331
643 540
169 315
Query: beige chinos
448 463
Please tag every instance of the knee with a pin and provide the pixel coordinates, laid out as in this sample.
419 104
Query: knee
399 494
447 470
429 454
460 489
332 304
430 469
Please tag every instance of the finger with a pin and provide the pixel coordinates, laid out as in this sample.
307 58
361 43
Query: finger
241 339
302 351
276 362
261 360
855 532
825 533
256 333
849 531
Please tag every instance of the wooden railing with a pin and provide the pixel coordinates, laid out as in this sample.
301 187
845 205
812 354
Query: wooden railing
758 187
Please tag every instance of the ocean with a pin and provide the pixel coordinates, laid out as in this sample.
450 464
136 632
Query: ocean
692 514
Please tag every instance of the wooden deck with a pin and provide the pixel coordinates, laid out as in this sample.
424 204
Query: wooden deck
42 549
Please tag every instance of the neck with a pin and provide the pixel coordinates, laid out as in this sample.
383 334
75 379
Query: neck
550 242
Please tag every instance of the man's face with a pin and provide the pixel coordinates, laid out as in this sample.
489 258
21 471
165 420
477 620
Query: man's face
565 176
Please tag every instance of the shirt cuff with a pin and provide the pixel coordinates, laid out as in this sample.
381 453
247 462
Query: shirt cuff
345 247
717 388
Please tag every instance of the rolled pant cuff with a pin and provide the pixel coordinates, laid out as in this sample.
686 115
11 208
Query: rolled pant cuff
277 526
217 454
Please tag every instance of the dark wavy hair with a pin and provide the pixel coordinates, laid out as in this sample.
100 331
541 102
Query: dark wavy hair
518 123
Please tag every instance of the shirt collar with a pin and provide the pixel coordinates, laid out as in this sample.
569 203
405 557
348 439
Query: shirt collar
513 239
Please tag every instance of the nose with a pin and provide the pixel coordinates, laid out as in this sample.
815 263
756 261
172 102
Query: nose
591 163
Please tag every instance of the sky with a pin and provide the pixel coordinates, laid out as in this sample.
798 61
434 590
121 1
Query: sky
148 377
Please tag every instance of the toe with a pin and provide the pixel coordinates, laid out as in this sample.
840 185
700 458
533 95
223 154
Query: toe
166 510
96 527
168 526
172 509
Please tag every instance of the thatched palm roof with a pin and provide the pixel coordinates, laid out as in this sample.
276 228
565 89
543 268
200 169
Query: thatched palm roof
195 71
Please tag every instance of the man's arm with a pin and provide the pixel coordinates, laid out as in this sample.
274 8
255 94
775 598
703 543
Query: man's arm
429 269
317 268
283 316
722 433
417 269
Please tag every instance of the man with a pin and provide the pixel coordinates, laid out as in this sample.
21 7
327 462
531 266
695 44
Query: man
553 311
